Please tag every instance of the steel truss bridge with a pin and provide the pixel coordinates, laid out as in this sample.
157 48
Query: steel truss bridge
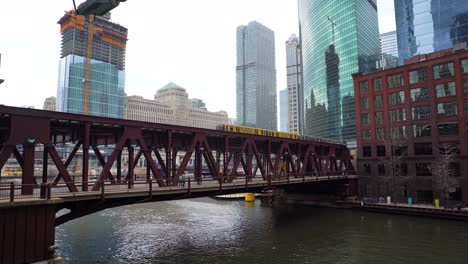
234 162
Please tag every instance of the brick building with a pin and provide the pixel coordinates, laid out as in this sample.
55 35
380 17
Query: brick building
412 126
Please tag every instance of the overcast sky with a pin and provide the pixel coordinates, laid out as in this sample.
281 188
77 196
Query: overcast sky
191 43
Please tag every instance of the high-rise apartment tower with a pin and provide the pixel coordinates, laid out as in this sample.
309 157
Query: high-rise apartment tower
294 80
92 64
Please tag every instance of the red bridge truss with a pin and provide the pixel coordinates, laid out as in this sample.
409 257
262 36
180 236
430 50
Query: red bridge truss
25 133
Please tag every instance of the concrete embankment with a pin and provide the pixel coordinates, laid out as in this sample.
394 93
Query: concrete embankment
423 210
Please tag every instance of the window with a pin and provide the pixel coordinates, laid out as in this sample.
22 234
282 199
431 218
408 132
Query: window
367 151
397 98
401 169
443 71
379 118
447 109
366 134
448 129
395 81
365 119
398 115
465 86
364 87
465 106
417 76
454 169
365 103
381 151
377 84
419 94
381 169
399 132
378 100
423 169
367 169
423 148
421 112
464 64
399 151
380 133
446 89
449 148
423 130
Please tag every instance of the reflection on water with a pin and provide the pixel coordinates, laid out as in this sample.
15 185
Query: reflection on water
212 231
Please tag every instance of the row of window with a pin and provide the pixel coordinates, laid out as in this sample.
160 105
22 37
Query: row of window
451 169
424 148
419 131
440 71
420 112
417 95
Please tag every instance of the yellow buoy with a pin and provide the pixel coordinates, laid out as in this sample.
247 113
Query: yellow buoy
249 197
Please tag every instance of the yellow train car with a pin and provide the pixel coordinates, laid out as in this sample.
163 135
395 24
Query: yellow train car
257 131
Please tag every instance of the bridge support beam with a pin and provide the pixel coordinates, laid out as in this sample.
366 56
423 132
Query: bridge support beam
27 233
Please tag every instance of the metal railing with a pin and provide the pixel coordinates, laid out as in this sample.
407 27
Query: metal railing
12 191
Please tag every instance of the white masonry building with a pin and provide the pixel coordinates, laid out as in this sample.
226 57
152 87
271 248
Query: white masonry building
171 105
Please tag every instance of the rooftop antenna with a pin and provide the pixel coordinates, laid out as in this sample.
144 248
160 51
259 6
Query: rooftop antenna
333 29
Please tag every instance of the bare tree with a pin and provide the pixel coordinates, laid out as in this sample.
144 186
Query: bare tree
443 170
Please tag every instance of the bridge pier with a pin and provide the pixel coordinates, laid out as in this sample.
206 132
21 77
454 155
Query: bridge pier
27 231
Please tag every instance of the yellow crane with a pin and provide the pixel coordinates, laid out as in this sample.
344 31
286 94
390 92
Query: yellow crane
89 54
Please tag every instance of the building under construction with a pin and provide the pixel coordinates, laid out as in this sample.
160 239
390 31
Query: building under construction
92 64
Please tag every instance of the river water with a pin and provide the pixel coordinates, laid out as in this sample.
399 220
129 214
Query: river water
212 231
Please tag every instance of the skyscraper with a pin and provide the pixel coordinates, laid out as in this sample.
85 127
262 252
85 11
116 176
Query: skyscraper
426 26
283 106
256 77
294 79
91 73
389 46
338 38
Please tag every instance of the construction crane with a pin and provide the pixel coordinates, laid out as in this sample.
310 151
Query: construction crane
89 54
96 7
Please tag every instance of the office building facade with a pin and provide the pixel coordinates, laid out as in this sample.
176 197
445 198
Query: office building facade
256 77
338 38
171 105
50 103
284 108
412 122
92 66
389 47
294 80
427 26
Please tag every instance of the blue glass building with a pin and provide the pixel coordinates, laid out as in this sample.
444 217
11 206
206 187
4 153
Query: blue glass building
256 77
106 76
338 38
425 26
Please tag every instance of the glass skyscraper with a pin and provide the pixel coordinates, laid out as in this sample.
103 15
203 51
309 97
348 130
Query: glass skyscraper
256 77
425 26
106 77
338 38
389 46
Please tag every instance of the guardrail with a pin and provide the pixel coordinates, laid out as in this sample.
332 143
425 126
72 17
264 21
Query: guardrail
12 191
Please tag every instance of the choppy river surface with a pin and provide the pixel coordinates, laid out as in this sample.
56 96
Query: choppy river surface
213 231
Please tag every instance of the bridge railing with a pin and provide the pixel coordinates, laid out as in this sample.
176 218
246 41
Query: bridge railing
12 191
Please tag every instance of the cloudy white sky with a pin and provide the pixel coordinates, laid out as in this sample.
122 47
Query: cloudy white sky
191 43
